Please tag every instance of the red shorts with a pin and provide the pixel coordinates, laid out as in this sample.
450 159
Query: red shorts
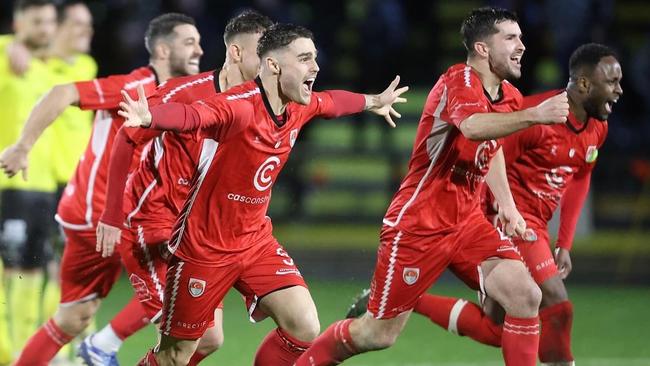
146 265
193 290
408 265
85 275
537 255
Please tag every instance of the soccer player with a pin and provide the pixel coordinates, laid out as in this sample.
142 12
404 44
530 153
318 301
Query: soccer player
158 187
223 237
548 166
86 277
435 222
26 208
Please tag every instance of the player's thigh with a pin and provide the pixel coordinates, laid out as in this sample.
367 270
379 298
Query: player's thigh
192 293
213 337
146 269
270 273
84 273
293 310
407 265
480 241
553 291
538 255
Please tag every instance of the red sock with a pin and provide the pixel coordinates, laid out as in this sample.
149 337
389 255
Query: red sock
130 319
43 345
555 341
520 341
460 317
196 358
331 348
279 348
148 360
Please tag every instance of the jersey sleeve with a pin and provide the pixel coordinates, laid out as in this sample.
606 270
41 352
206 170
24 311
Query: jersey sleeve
570 207
103 93
209 115
464 97
337 103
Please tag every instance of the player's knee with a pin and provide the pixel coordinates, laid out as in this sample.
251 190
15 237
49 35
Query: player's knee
383 339
553 292
305 326
75 319
210 342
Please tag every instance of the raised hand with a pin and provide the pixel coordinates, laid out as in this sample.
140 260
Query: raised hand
15 159
382 104
552 110
107 237
135 112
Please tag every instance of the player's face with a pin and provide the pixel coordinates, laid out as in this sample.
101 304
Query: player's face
77 28
298 70
506 50
36 26
250 61
185 51
604 88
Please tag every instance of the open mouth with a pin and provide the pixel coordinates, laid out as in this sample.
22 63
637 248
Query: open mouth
516 60
609 105
194 62
308 84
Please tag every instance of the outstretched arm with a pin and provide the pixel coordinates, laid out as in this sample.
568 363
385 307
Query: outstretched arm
46 111
488 126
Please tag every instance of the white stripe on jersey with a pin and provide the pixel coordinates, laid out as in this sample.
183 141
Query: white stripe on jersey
467 77
388 281
135 83
173 92
248 94
208 151
159 151
172 298
101 131
100 92
150 266
435 143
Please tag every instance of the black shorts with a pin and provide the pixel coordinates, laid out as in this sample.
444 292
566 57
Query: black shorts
26 228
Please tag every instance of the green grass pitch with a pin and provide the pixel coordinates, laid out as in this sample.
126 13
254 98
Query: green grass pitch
612 327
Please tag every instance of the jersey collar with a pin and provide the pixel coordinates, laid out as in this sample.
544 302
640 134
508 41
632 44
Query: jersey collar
267 104
154 74
215 80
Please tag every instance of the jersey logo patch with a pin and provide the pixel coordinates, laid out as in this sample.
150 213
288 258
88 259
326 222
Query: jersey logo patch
263 180
196 287
410 275
592 154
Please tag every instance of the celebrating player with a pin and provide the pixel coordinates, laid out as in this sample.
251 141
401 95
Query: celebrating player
173 43
158 187
548 166
435 221
223 237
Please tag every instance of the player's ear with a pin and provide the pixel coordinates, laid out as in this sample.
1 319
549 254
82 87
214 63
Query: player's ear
272 64
234 51
584 85
481 49
162 50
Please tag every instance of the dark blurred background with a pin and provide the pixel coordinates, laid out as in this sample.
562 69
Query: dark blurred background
342 173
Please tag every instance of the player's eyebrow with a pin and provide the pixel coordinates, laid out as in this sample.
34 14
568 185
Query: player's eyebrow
308 54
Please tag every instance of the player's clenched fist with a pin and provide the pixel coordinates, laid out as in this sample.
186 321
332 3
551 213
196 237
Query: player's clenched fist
552 110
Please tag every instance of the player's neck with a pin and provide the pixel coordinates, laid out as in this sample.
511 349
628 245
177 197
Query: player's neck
162 71
277 102
491 82
575 107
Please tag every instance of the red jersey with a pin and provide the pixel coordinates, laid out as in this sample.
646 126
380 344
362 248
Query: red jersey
246 146
447 170
83 199
543 160
157 188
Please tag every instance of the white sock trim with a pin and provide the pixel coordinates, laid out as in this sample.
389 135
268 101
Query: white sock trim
454 314
106 340
562 363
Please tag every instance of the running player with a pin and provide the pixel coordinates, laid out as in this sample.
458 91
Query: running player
158 187
435 221
222 237
548 166
173 43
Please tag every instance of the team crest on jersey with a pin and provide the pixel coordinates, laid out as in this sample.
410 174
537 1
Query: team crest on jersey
592 154
293 136
196 287
410 275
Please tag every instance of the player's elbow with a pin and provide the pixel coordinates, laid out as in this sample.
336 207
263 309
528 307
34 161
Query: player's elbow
470 130
66 94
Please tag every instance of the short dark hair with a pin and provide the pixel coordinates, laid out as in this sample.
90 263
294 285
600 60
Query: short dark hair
22 5
481 23
163 26
280 35
246 22
62 9
586 57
